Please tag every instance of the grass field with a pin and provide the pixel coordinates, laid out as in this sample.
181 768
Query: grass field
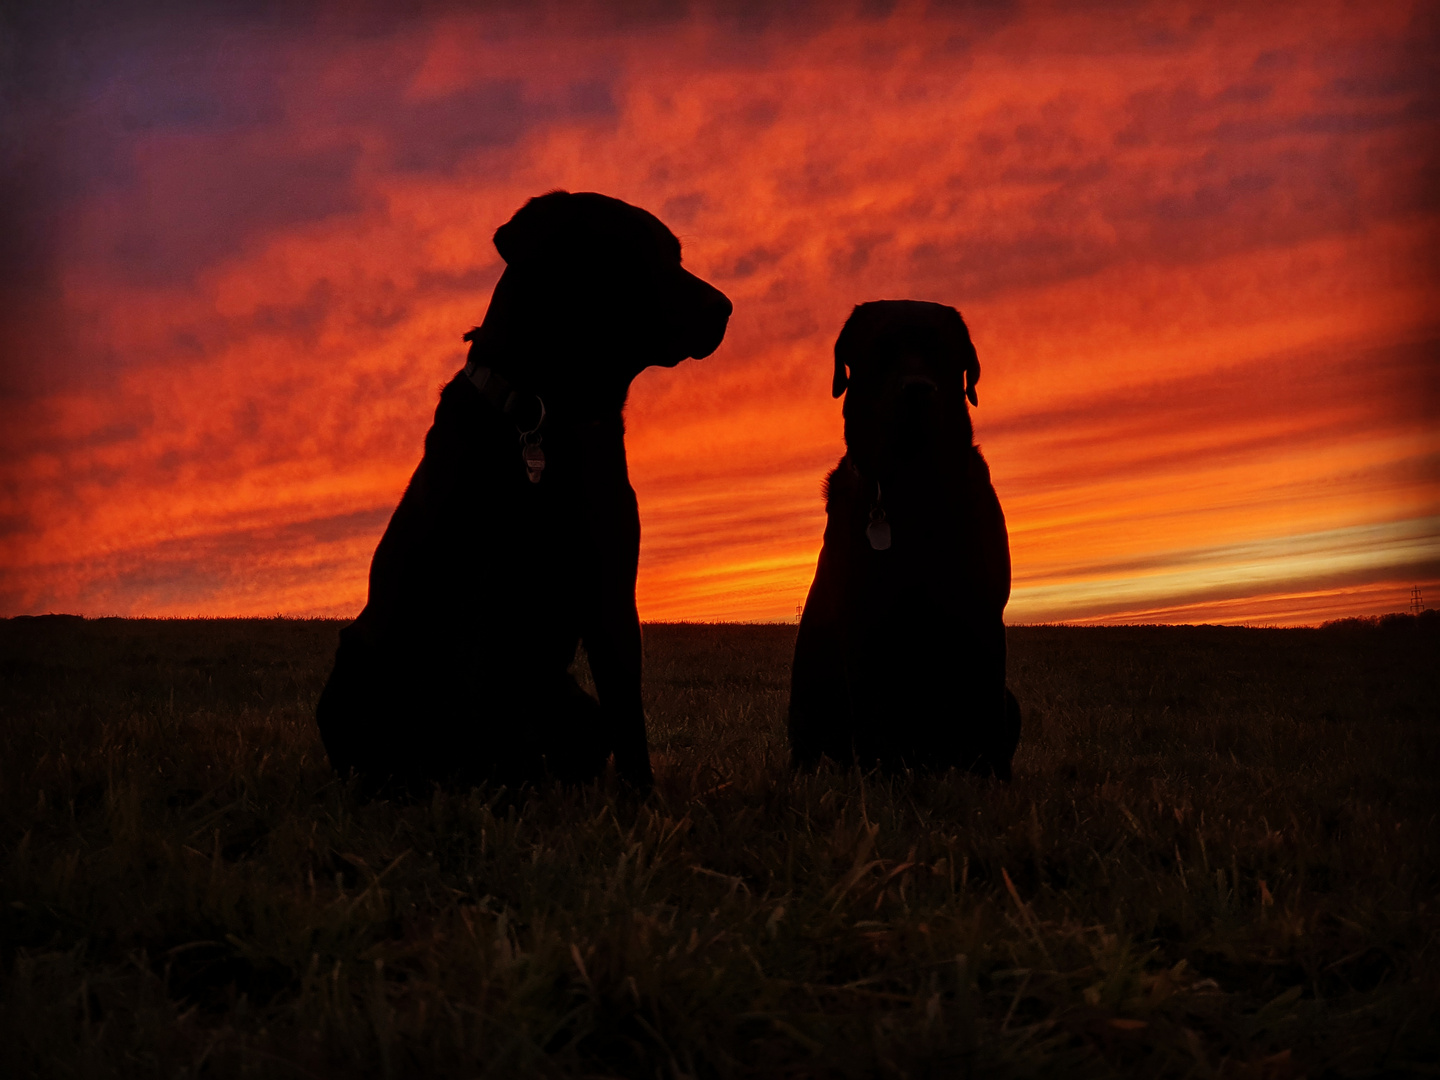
1218 858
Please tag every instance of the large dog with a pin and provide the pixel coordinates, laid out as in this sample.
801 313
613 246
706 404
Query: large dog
900 659
518 535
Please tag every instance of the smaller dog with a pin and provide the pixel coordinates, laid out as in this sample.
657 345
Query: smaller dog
900 658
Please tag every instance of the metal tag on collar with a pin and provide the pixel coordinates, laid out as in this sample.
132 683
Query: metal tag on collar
534 458
878 531
530 450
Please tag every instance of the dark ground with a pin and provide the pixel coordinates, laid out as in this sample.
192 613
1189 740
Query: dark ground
1218 858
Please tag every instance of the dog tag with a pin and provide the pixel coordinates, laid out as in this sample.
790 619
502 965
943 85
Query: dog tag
534 460
878 533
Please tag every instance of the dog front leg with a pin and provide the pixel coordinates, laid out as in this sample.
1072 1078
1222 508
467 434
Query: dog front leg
819 722
612 645
610 622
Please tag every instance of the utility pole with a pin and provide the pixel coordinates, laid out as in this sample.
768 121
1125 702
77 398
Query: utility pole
1417 602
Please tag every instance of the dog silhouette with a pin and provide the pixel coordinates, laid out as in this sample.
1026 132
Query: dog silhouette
519 534
900 658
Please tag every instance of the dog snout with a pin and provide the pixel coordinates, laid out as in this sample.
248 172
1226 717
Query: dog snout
711 320
916 391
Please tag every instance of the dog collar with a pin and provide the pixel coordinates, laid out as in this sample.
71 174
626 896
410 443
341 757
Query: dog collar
498 390
493 386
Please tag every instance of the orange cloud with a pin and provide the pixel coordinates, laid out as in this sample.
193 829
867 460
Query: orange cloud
1196 255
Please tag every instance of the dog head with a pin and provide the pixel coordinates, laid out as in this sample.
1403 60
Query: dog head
592 294
906 368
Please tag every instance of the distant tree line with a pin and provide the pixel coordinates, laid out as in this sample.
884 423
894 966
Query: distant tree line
1428 621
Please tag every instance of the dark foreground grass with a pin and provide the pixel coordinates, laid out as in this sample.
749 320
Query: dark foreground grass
1218 858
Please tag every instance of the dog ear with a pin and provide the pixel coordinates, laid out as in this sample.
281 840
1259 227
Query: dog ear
845 346
970 357
534 229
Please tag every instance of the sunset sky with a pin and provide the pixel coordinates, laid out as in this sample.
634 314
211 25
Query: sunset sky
1198 248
